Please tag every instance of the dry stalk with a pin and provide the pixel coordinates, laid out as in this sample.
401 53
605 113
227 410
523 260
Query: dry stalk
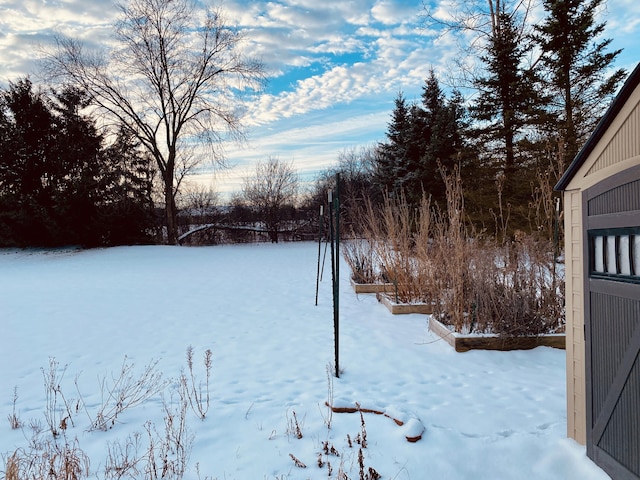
513 289
168 453
56 415
14 420
12 467
122 460
199 397
330 393
451 255
294 427
542 210
424 277
297 462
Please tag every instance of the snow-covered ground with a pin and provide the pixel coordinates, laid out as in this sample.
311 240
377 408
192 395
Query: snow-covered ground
486 415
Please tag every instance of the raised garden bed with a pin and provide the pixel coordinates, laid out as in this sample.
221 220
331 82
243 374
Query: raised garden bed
372 287
464 343
404 308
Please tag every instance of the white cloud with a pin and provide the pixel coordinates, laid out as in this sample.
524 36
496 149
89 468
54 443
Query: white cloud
312 147
390 12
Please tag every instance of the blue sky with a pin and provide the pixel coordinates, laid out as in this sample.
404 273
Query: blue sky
334 67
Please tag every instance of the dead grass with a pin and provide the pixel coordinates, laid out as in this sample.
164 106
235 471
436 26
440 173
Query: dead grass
396 233
56 460
504 283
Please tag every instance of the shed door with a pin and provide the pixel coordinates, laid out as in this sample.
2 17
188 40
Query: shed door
612 323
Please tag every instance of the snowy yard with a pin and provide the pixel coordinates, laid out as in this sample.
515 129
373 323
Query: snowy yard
487 415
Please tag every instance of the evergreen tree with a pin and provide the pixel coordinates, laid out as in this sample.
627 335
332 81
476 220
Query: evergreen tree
25 152
421 138
126 214
392 162
56 179
27 140
77 168
577 65
508 100
443 123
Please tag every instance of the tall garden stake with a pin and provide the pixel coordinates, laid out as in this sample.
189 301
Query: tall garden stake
319 244
334 235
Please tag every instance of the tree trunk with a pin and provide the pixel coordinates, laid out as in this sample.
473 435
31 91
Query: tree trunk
170 210
571 140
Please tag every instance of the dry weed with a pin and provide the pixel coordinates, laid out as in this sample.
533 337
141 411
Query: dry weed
168 453
294 427
54 460
199 397
58 410
122 460
125 391
14 420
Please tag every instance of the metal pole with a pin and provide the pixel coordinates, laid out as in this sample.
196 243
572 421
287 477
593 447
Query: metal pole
336 308
333 273
319 242
324 257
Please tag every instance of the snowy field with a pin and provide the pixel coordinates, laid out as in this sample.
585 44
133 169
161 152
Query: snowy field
486 415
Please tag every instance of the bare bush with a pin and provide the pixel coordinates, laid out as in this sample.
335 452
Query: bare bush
361 258
514 290
388 229
508 286
125 391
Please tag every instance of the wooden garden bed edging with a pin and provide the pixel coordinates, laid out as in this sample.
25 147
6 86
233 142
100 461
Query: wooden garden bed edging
371 287
464 343
404 308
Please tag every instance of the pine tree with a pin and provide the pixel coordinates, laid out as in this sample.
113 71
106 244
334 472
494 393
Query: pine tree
77 168
126 214
56 178
421 138
443 124
25 166
577 65
392 162
508 100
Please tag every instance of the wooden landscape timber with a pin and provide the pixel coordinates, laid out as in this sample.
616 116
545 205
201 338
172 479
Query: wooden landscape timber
404 308
372 287
464 343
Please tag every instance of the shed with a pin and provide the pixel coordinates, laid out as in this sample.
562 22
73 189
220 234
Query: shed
601 195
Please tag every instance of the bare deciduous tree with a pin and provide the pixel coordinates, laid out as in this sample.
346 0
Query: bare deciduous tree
473 23
172 78
274 185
